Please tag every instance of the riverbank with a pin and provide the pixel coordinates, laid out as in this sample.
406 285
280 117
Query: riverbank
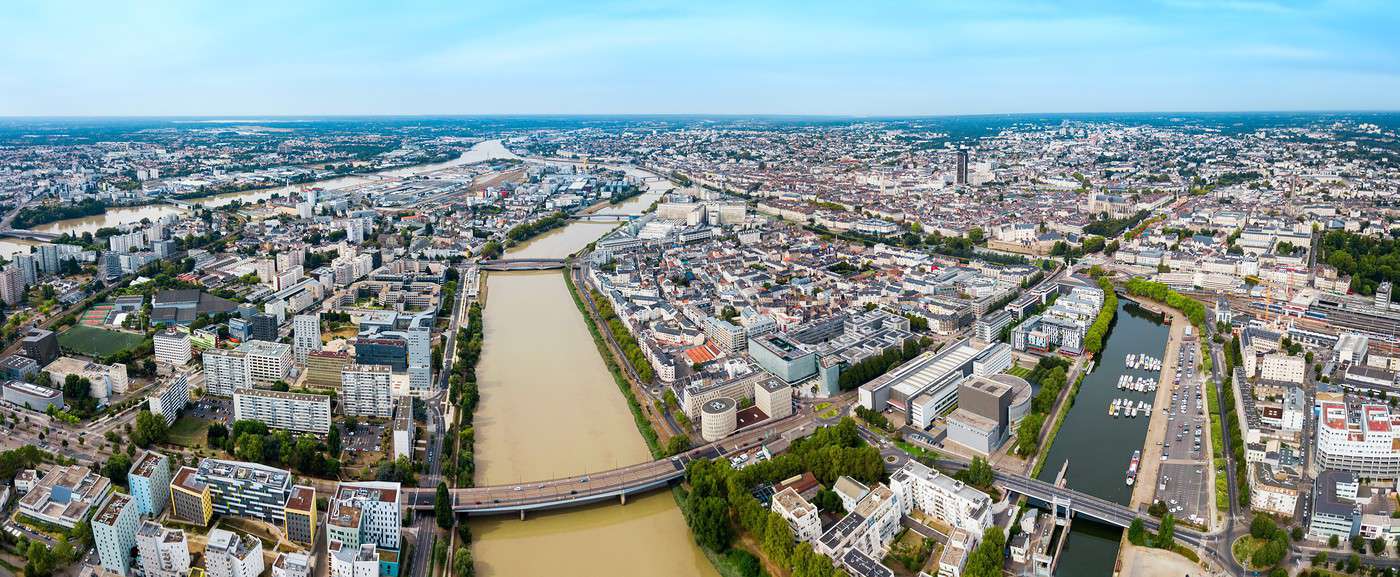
1144 492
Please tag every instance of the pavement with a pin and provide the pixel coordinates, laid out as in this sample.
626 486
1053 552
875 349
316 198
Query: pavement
1179 473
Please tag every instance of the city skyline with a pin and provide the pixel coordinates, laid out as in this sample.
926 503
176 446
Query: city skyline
543 58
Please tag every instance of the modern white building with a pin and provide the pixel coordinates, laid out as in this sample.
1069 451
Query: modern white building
172 346
114 532
801 516
281 410
164 552
171 397
226 371
229 555
1360 439
1283 368
364 391
363 529
867 530
942 497
306 335
403 428
268 362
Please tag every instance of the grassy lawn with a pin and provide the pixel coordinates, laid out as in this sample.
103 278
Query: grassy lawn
1243 548
915 450
95 342
189 432
1019 371
825 410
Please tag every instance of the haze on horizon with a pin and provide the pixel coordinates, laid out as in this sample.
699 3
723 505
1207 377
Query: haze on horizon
90 58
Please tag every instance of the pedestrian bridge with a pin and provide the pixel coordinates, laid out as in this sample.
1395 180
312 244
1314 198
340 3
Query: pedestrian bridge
509 264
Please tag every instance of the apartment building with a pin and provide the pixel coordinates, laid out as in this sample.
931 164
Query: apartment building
171 398
280 410
942 497
801 516
364 391
1283 368
149 480
268 362
164 552
299 518
190 498
246 489
173 347
1361 439
229 555
306 335
225 371
114 532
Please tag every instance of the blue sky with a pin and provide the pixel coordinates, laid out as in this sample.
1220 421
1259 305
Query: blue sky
857 57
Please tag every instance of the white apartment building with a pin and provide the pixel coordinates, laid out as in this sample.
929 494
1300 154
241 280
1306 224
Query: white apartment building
164 552
171 398
1361 440
869 528
306 335
1283 368
172 346
801 516
268 362
226 371
364 391
943 497
366 512
347 561
228 555
279 410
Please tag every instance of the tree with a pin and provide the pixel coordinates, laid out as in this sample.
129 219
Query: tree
1297 534
709 521
1320 559
1262 527
116 468
979 473
1166 533
1137 533
442 506
150 429
677 445
40 561
333 441
462 563
986 559
1378 546
1333 541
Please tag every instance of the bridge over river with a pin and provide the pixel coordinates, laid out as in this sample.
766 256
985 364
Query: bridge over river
509 264
29 234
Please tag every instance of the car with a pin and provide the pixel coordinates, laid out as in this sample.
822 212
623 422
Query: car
517 488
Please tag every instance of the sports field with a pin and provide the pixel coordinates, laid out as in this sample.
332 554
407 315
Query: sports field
95 342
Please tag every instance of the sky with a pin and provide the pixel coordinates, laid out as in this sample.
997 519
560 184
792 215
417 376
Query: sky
854 57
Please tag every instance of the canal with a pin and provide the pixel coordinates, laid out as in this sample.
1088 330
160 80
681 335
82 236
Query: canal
550 408
1099 447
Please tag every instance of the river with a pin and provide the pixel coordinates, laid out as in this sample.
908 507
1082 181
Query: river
1099 447
550 408
118 216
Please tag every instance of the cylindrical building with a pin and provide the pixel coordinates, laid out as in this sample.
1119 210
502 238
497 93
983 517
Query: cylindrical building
1020 398
718 418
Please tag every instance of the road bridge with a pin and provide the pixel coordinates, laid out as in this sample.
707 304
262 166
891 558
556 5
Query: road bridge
605 217
509 264
29 234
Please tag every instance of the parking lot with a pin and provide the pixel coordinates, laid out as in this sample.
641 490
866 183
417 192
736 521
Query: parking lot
1182 476
212 409
366 438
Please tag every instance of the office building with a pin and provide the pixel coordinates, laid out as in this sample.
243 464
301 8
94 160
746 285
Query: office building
240 329
982 421
32 397
364 391
190 498
105 379
114 532
246 489
306 335
226 371
300 515
773 397
1283 368
1335 510
268 362
801 516
280 410
17 367
1360 439
65 495
172 346
263 327
960 170
323 368
164 552
411 354
229 555
391 352
785 359
927 385
171 397
149 480
40 345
